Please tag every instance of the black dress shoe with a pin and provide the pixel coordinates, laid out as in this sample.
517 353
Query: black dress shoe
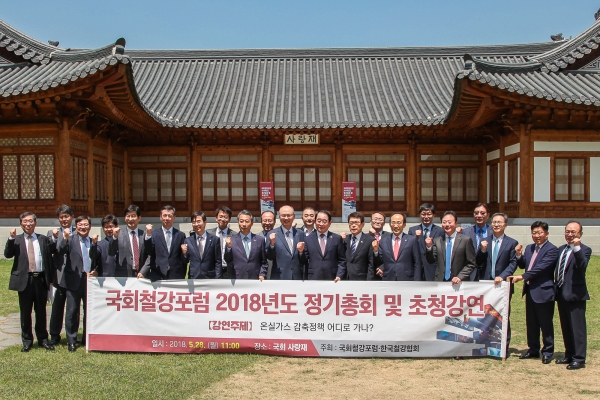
26 348
45 344
528 355
546 359
72 347
55 341
576 365
563 361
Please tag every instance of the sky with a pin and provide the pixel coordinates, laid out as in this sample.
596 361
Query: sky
238 24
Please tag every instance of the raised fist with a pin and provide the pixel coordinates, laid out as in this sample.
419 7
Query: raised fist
576 242
94 239
418 232
459 229
519 250
184 249
66 233
343 235
294 224
149 230
372 231
375 245
428 242
484 245
13 233
300 247
55 233
272 237
116 231
228 242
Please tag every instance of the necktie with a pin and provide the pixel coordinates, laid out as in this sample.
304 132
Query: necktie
562 265
136 250
169 241
353 245
448 258
290 243
31 254
495 256
223 244
246 246
85 252
535 254
426 230
377 236
396 247
201 246
323 243
479 236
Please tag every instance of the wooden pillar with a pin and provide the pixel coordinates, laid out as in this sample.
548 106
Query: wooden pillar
194 179
91 177
526 189
126 178
109 178
411 192
502 176
337 178
62 177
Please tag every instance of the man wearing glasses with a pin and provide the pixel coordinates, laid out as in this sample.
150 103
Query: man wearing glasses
426 229
478 232
282 248
359 253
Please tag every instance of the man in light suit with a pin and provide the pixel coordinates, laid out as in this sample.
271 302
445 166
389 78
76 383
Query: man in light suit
453 252
479 232
359 253
397 256
30 276
81 252
128 246
223 231
497 257
245 252
163 247
202 250
572 294
426 229
281 248
323 252
65 216
539 260
106 264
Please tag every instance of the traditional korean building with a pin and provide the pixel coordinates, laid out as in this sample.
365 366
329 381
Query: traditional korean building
516 126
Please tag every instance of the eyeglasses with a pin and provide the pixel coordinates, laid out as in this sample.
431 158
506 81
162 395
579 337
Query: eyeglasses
498 223
571 232
538 233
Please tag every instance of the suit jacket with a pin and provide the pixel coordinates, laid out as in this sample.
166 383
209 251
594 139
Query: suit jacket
506 261
326 266
122 248
250 267
472 233
106 264
428 268
207 266
19 274
165 264
58 260
463 257
286 264
360 265
574 286
230 233
541 274
407 267
74 273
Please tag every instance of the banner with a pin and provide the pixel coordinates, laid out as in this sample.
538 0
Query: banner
348 199
267 197
295 318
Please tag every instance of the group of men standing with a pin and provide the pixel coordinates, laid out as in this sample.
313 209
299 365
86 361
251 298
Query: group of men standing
67 255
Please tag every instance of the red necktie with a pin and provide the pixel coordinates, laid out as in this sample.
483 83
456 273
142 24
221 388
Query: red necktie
136 250
396 247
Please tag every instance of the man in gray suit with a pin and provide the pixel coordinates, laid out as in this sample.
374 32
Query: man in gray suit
128 244
223 216
281 247
245 252
453 252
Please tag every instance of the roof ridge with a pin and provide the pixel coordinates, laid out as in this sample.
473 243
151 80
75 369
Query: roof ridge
24 46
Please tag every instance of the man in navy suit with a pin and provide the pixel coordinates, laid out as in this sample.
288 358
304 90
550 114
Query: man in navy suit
539 261
81 252
163 246
397 256
281 247
323 252
106 264
572 294
359 253
202 250
497 256
377 225
267 221
426 229
30 276
128 245
223 231
479 232
245 252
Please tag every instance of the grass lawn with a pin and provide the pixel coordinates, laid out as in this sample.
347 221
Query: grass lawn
60 374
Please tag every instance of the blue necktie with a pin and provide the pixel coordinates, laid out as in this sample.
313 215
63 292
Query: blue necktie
495 256
353 246
479 236
246 247
448 258
86 255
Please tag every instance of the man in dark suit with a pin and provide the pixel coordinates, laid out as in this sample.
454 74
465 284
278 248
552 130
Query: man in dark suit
478 232
572 294
106 264
163 246
359 253
202 250
245 252
497 256
81 252
426 229
128 245
30 276
223 231
308 221
65 216
539 261
397 256
267 221
377 225
281 248
323 252
453 252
